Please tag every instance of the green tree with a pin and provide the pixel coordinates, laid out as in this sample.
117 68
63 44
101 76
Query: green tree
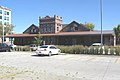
38 40
90 26
7 29
117 33
117 30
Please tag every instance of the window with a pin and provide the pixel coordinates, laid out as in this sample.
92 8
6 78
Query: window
46 29
6 23
0 17
50 29
76 28
6 18
31 30
0 22
51 24
48 25
43 30
43 46
0 11
57 28
35 30
6 13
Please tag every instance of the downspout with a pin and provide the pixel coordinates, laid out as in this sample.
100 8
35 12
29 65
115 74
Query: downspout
114 40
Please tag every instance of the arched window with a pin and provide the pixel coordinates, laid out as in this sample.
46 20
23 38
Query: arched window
57 28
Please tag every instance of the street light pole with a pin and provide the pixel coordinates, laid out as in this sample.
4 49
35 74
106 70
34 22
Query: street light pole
3 33
101 22
3 28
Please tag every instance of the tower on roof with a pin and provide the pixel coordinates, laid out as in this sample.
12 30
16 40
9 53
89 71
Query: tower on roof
49 24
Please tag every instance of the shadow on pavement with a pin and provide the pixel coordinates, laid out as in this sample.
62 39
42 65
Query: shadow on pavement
40 55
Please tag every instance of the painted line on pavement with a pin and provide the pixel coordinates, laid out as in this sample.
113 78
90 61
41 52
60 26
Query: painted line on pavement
116 60
91 59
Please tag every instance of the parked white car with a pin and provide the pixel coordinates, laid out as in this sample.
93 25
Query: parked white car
47 50
33 47
96 44
13 46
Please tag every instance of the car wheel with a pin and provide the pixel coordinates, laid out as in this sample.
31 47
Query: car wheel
10 50
59 52
39 55
50 53
7 50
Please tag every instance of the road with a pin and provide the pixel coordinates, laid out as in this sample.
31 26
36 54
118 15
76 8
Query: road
29 66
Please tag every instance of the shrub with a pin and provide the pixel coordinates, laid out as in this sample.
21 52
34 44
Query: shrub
91 50
112 50
101 50
106 50
86 50
96 50
72 49
22 48
117 50
79 49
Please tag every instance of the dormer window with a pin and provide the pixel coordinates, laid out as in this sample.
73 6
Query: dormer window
31 30
76 28
35 31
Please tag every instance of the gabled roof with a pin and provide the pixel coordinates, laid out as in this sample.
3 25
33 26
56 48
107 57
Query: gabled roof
74 27
31 27
64 25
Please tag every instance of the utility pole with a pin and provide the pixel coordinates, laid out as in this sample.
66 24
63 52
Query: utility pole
101 22
3 33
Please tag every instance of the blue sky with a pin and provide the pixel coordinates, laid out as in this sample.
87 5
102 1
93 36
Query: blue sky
27 12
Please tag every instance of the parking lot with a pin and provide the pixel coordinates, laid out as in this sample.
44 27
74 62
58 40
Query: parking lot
29 66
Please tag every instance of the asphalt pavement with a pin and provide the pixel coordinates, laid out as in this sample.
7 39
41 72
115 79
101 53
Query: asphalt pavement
28 65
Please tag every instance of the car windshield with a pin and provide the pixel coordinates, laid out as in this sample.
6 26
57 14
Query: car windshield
53 47
96 44
32 45
43 46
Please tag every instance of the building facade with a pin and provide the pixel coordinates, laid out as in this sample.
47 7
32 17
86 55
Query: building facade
54 32
78 34
5 19
5 16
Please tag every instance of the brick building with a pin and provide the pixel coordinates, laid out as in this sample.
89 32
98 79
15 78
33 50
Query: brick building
50 25
54 32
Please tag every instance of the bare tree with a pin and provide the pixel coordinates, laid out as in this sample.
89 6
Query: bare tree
7 29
